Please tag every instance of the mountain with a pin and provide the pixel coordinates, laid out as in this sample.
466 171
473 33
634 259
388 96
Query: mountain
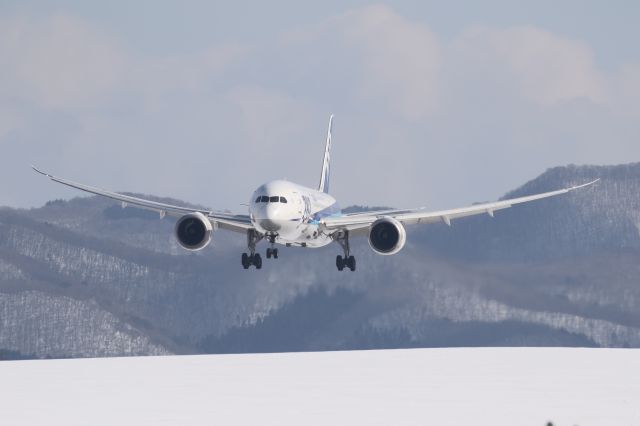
84 278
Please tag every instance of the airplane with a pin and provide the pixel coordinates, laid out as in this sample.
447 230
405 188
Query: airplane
282 212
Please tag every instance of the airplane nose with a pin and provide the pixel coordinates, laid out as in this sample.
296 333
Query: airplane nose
269 225
270 220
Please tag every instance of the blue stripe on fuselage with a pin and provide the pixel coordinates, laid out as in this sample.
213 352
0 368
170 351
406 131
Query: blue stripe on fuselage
332 210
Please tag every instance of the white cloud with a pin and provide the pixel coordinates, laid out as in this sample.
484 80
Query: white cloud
401 59
404 66
545 67
58 62
627 86
64 62
269 117
156 77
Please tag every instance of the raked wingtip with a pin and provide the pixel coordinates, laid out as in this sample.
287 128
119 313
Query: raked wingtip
37 170
586 184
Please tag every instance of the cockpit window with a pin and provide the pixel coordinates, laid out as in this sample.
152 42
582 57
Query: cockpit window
272 199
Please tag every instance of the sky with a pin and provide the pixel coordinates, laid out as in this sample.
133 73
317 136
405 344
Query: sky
437 104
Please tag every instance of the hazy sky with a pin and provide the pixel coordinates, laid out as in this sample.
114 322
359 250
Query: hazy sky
437 103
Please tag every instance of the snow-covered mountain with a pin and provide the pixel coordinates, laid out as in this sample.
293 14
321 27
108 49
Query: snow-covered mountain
87 278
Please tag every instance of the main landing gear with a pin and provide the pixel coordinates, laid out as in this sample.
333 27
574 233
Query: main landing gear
347 261
252 258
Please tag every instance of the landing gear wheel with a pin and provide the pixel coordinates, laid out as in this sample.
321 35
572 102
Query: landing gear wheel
272 253
347 261
351 263
342 238
253 258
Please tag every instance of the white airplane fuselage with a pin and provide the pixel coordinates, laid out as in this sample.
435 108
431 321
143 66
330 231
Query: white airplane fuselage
292 213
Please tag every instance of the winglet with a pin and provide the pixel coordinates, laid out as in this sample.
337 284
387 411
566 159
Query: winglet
40 171
584 185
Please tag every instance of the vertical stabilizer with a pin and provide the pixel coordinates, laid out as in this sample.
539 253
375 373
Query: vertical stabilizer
326 163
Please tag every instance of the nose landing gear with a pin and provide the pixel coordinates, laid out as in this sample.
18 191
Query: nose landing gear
272 251
348 261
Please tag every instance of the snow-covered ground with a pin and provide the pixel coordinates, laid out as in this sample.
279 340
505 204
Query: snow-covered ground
484 386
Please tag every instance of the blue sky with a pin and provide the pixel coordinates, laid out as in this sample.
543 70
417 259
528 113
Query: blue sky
437 104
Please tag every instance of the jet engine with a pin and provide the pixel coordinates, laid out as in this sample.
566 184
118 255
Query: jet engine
193 231
387 236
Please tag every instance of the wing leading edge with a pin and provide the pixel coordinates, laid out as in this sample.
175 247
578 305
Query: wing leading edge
237 223
359 221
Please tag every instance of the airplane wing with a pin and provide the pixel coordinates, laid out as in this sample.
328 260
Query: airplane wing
361 221
237 223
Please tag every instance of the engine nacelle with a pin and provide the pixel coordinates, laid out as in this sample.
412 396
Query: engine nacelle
387 236
193 231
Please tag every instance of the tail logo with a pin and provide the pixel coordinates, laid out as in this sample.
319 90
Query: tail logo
326 164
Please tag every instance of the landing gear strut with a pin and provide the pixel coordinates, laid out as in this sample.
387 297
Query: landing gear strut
347 261
252 258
